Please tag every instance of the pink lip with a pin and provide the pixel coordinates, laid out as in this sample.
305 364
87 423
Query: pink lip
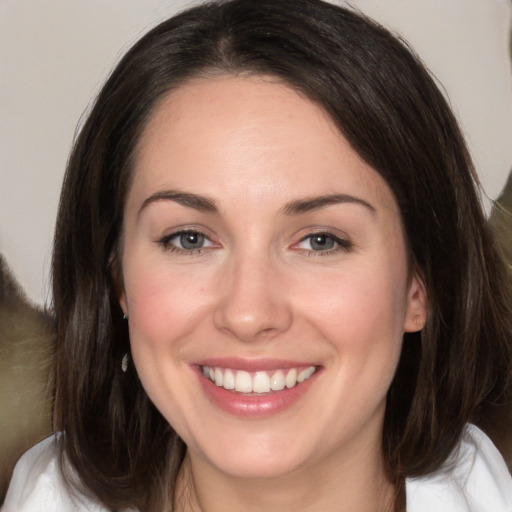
253 406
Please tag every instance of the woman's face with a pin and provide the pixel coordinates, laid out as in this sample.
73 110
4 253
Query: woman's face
265 279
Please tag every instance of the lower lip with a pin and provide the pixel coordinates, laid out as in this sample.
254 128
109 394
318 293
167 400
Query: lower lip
253 406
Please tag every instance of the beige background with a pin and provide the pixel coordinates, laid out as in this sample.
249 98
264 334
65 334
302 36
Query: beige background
54 55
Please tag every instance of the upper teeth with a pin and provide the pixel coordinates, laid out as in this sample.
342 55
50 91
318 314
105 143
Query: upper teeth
257 382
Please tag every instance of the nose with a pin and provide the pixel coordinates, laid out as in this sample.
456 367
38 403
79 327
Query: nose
253 302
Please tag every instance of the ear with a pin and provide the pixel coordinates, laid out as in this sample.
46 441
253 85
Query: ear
118 282
122 301
417 306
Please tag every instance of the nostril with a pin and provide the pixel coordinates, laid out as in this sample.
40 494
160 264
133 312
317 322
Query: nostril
259 324
251 306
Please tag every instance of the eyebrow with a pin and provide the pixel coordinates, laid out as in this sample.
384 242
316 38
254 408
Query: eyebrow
201 203
297 207
301 206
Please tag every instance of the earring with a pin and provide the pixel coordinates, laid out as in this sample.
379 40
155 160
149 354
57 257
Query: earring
124 362
125 317
418 320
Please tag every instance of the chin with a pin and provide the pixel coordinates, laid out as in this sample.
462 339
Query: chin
258 457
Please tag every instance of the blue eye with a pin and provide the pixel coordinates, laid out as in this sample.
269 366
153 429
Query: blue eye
324 242
191 240
321 242
186 241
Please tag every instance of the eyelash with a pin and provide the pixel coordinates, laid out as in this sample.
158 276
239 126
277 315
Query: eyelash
166 242
341 245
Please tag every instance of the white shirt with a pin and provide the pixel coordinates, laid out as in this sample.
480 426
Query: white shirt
474 479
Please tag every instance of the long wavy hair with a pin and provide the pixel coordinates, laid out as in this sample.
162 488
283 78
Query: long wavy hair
384 102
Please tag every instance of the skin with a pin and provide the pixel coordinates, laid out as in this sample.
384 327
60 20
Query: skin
258 288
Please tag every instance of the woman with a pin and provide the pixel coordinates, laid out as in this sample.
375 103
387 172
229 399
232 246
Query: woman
273 282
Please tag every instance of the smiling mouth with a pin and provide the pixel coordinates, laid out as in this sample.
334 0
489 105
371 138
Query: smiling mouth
260 382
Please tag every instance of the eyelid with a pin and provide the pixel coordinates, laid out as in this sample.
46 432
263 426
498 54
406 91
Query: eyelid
166 241
344 244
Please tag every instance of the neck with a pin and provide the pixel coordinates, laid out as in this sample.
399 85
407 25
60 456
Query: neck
354 484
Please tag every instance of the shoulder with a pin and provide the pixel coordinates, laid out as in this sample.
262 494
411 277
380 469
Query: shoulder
38 486
475 478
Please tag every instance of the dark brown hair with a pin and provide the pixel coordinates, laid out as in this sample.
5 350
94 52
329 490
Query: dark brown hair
385 103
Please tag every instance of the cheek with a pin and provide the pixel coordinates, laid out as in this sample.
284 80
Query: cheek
359 305
361 314
163 305
164 310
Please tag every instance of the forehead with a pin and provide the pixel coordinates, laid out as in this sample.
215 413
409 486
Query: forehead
238 134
